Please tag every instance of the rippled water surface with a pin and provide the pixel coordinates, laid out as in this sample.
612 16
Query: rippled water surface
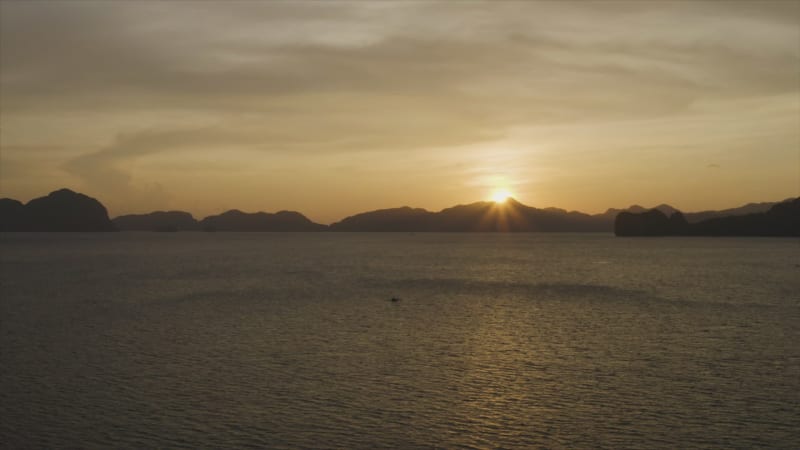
291 341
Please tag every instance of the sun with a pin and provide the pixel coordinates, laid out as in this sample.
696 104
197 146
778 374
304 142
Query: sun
500 196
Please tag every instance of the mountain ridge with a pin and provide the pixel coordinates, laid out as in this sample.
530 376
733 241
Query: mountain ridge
481 216
60 210
782 219
236 220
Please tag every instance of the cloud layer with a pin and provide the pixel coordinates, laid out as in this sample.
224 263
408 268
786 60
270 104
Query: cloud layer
294 98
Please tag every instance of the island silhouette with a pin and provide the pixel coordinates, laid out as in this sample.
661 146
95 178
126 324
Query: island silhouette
782 219
235 220
61 210
66 210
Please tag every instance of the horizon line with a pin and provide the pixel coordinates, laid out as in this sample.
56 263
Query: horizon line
510 198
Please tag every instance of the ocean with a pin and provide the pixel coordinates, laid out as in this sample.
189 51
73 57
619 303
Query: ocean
292 340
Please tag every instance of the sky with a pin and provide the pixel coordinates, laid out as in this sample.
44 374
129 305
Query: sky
333 108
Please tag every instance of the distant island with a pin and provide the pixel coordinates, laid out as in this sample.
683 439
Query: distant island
782 219
65 210
236 220
61 210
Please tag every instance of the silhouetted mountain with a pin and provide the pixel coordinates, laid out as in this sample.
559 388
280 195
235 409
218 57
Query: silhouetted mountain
11 215
514 216
677 223
157 221
666 209
479 217
611 213
648 223
235 220
65 210
749 208
62 210
782 219
693 217
395 219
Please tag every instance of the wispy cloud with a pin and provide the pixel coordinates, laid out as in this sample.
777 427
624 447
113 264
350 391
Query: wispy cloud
118 84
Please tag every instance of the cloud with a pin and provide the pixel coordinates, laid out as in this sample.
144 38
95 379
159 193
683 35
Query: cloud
108 170
95 56
105 168
166 81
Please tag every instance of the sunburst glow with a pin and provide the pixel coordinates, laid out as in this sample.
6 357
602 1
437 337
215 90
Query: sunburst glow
500 196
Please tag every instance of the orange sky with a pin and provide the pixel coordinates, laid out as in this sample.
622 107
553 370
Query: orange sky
332 108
